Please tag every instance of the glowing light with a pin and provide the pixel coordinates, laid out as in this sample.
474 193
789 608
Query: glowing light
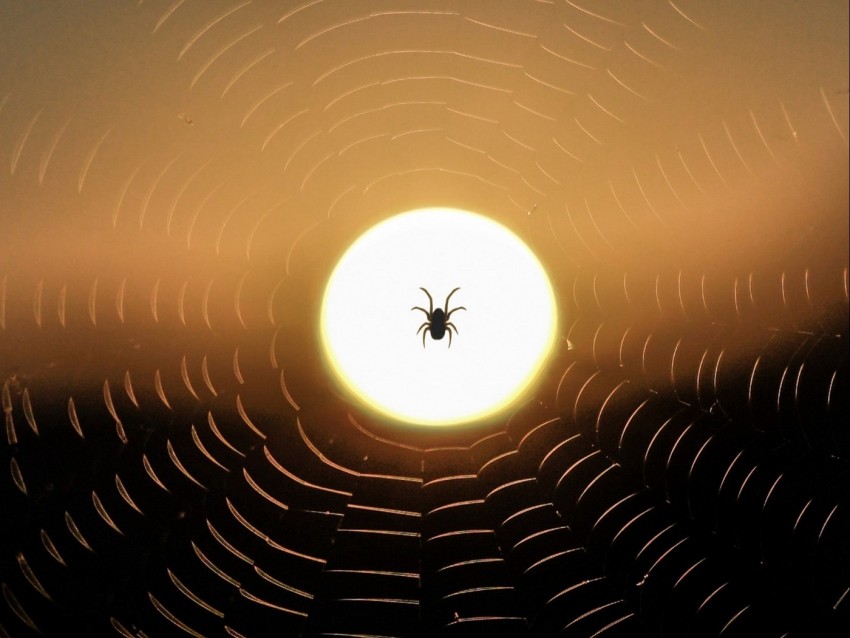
503 337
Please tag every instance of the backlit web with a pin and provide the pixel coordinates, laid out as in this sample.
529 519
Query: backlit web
178 178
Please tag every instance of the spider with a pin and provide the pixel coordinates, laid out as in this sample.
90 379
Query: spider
437 323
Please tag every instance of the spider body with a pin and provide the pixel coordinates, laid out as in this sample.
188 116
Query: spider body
437 321
438 327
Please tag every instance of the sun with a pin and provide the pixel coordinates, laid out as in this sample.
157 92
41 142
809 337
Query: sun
499 344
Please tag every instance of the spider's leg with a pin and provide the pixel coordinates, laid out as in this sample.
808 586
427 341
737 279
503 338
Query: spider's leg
447 300
424 325
424 332
430 301
449 326
449 314
427 314
449 330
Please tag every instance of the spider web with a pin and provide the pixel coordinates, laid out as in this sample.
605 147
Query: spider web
181 179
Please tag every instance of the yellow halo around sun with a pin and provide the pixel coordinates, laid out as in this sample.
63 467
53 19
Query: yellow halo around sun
502 339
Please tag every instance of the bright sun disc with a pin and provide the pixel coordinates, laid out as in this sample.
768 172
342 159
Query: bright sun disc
503 337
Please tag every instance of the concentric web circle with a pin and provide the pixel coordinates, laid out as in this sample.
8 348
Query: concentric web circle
179 180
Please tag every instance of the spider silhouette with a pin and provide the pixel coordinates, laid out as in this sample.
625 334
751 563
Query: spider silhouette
437 323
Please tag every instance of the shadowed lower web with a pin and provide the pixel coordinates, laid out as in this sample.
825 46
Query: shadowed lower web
180 178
